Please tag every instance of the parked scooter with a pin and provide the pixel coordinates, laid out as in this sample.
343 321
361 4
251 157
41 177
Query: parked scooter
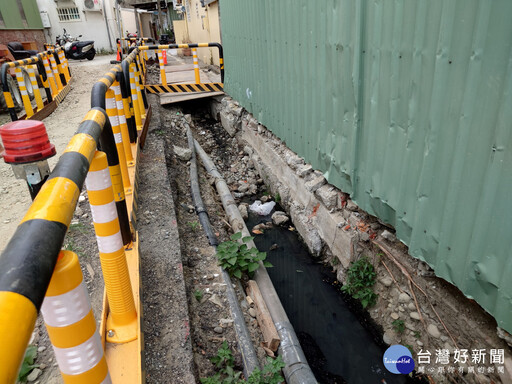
75 49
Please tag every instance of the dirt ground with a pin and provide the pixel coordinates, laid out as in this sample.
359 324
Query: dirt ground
209 314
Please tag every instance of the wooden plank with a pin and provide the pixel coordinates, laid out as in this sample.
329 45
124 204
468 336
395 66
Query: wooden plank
189 77
43 113
268 329
179 68
169 98
176 77
144 132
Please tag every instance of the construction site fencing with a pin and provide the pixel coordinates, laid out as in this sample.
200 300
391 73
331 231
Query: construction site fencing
103 154
197 86
50 69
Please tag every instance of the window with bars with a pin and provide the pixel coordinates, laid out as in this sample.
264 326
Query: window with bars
68 14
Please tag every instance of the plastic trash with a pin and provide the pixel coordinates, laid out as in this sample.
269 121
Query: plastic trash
262 209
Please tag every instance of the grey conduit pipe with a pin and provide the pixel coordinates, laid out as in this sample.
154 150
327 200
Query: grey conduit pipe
297 370
249 357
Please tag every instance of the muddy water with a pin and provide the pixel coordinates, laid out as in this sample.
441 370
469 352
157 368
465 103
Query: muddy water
337 346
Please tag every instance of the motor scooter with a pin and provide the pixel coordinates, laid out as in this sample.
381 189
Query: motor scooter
75 49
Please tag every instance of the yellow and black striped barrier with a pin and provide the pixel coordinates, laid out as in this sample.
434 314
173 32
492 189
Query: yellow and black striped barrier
28 261
181 88
54 74
189 87
30 264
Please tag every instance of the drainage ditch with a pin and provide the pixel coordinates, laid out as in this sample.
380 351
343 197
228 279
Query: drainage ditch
341 343
338 347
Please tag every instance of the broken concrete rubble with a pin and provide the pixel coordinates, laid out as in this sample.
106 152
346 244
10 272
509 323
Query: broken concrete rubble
184 154
327 195
280 218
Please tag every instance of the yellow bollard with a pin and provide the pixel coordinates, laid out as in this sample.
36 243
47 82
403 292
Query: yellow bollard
196 66
127 109
139 94
66 62
35 87
61 69
49 76
135 98
143 66
122 319
122 123
111 108
162 67
71 326
24 94
55 72
17 320
64 65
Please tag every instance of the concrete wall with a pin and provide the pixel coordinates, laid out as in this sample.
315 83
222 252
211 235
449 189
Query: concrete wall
198 32
180 31
203 26
128 17
145 21
92 25
212 11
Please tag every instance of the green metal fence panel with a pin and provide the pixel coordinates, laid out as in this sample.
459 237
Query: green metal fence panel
20 14
403 104
11 15
32 14
174 15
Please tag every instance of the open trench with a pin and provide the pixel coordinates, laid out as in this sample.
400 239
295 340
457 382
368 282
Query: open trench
341 343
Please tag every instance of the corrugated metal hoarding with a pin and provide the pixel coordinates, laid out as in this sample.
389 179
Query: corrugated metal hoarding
407 106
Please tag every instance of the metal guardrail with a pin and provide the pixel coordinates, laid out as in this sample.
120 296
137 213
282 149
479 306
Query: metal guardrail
29 259
187 87
54 74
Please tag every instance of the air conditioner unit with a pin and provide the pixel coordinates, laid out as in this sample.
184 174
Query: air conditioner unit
92 5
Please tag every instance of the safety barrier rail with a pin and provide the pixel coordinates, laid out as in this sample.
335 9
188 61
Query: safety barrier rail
33 264
125 43
54 75
164 87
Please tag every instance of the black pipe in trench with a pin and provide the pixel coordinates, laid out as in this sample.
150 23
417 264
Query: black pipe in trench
249 357
296 370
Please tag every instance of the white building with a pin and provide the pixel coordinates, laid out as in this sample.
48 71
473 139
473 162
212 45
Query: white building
93 19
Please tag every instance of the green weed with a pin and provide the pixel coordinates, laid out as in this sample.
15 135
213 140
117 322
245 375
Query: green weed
360 280
238 258
198 294
28 363
78 227
224 362
398 326
194 225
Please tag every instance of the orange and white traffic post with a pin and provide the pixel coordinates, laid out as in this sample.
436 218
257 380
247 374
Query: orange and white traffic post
71 326
122 321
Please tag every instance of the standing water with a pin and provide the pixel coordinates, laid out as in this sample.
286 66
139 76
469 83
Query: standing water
338 348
